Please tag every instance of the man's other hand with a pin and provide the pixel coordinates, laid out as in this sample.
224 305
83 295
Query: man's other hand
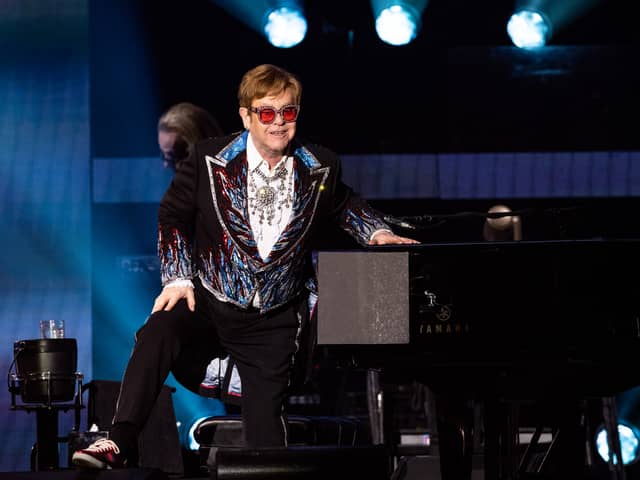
172 295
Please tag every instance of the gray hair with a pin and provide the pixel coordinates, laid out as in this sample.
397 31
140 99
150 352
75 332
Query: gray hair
190 122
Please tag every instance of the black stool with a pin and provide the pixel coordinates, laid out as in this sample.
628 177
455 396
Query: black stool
47 382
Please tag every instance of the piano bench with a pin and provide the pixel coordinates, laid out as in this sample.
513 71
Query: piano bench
225 431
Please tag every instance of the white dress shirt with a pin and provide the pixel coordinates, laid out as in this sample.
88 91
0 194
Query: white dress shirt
267 235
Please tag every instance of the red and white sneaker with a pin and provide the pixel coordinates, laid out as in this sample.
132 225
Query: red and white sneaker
101 454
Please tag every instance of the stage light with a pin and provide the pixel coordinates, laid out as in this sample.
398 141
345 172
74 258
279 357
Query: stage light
397 21
282 22
285 27
529 29
534 21
629 443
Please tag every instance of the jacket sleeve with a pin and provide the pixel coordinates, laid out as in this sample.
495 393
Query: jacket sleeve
176 222
352 213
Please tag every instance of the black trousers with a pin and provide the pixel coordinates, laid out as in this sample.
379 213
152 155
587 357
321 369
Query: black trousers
263 347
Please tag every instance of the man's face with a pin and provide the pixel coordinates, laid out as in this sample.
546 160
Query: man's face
271 139
173 149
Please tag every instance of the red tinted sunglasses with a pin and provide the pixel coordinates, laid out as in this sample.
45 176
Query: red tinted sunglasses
267 115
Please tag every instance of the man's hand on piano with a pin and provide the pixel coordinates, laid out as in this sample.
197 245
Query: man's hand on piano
385 237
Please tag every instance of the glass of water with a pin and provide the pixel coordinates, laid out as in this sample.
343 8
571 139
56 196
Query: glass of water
51 328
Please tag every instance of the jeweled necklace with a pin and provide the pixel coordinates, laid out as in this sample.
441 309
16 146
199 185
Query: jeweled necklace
266 199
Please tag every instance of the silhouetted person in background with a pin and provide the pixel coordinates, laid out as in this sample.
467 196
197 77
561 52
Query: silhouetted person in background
180 127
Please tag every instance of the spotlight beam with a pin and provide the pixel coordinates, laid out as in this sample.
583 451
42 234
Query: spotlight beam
533 21
281 22
559 13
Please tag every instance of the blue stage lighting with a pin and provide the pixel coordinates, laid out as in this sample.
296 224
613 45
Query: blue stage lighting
529 29
282 22
534 21
285 26
398 21
629 443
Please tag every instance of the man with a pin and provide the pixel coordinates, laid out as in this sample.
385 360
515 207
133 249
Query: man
236 231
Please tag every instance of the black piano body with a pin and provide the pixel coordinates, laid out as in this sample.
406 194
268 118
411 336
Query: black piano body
512 318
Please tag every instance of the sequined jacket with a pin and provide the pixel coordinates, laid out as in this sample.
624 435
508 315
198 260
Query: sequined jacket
204 225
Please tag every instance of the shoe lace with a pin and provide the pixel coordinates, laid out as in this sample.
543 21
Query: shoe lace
103 445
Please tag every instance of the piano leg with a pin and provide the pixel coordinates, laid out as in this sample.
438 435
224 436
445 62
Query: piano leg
572 439
455 419
501 439
375 407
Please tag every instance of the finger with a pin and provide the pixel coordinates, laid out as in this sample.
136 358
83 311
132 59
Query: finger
409 240
171 302
191 299
159 303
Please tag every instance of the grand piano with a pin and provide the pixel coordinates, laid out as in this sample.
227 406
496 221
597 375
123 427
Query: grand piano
544 321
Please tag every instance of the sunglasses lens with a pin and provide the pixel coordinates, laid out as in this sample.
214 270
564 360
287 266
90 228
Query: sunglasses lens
289 114
267 115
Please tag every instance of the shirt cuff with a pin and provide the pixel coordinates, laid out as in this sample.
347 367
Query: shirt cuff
180 282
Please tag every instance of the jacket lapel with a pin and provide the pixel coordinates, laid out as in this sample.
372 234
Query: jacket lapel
309 179
228 180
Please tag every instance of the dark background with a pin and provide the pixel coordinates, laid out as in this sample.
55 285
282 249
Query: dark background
460 86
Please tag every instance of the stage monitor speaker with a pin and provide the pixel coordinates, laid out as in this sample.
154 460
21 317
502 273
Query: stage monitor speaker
120 474
303 463
158 443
